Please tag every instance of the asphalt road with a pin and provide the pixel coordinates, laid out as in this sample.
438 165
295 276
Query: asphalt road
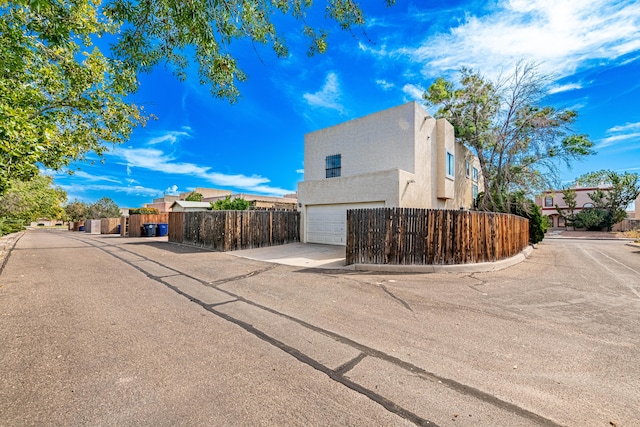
99 330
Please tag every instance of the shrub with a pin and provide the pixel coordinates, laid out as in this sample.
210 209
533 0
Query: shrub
8 226
593 219
226 204
143 211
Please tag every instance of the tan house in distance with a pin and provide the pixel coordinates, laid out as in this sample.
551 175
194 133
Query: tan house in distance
400 157
163 204
287 202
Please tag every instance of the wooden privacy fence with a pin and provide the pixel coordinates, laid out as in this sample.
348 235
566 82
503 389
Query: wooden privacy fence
136 221
406 236
233 230
109 225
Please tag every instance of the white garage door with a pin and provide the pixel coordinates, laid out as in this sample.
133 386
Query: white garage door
328 223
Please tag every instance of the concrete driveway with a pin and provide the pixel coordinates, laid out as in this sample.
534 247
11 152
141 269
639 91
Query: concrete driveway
107 331
332 257
308 255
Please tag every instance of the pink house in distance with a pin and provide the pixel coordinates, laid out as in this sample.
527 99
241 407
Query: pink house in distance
549 199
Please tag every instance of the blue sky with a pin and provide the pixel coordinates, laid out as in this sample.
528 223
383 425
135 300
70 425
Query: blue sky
590 48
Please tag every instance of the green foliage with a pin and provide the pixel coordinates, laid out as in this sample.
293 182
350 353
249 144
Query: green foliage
103 208
518 204
29 200
226 204
519 143
164 31
623 189
8 226
194 197
60 96
593 219
76 211
569 196
143 211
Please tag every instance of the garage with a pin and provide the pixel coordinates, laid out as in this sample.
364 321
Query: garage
327 224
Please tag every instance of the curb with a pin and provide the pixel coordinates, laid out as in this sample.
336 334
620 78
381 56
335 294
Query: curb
481 267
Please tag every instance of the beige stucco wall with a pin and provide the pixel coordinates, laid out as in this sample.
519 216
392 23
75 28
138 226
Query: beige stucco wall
396 155
376 186
378 142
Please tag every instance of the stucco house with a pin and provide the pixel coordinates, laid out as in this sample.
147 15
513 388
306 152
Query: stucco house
552 198
400 157
187 206
163 204
256 201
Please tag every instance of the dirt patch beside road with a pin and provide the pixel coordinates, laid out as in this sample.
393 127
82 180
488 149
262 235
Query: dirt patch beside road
6 244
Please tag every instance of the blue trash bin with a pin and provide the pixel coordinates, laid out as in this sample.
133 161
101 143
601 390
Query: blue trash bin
163 229
118 228
149 229
81 228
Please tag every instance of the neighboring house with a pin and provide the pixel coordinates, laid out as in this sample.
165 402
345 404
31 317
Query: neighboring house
288 202
400 157
185 206
163 204
549 199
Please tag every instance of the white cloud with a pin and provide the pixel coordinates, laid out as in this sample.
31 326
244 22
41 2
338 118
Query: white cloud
173 190
414 92
170 136
135 190
611 140
329 96
299 170
89 177
158 161
621 133
624 128
385 85
561 35
564 88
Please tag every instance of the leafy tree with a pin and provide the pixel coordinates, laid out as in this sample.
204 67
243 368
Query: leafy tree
226 204
76 211
29 200
104 208
194 197
569 196
623 190
517 140
162 31
61 97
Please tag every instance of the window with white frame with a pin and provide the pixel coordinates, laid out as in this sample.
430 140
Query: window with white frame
467 169
451 165
474 191
548 202
475 174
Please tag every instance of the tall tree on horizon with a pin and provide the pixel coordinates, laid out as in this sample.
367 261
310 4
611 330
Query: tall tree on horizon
519 141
